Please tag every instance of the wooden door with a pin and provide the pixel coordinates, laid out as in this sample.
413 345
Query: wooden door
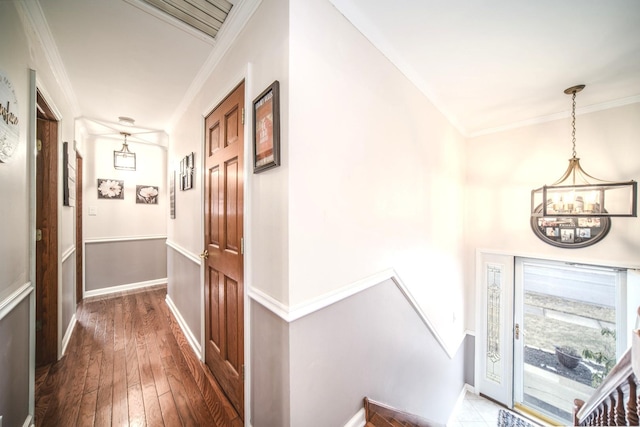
79 239
224 282
47 241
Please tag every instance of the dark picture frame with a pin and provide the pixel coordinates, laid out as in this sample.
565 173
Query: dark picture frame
569 232
65 174
147 194
112 189
186 172
266 129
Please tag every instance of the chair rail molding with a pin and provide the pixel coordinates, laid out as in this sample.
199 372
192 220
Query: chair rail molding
68 253
15 298
184 252
290 314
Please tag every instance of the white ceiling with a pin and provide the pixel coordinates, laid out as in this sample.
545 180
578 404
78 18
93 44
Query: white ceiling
490 64
486 64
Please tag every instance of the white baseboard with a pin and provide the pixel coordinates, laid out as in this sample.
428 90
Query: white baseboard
122 288
358 420
458 406
67 335
28 422
193 342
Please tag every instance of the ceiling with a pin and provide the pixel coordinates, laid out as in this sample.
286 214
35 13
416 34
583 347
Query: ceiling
486 64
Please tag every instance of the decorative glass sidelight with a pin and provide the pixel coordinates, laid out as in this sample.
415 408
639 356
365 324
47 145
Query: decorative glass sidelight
494 323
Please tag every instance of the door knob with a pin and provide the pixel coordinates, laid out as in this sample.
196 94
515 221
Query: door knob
205 254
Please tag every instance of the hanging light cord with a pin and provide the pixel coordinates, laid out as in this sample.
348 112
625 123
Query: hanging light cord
573 124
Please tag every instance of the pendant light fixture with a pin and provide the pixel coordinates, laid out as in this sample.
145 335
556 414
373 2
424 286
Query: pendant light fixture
124 159
578 194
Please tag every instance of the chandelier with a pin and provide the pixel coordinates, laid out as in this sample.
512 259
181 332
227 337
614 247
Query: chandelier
578 194
124 159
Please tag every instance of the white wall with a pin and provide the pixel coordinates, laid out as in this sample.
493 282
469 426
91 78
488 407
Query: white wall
259 55
124 218
14 190
503 168
15 313
376 173
21 51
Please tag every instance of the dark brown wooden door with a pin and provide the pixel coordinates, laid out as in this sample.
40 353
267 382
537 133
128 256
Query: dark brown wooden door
79 239
47 238
224 282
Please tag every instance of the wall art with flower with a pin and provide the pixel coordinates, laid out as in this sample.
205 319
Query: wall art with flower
147 194
110 189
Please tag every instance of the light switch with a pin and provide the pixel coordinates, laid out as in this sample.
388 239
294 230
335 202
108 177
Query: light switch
93 211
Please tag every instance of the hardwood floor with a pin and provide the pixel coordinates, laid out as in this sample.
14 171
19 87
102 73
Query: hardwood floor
128 364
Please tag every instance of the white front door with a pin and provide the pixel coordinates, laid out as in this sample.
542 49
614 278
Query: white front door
494 342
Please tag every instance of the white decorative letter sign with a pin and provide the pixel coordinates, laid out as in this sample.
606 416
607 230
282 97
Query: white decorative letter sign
9 127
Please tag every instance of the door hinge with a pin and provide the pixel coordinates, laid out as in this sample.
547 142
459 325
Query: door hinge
242 372
38 325
39 145
38 235
242 115
517 331
242 245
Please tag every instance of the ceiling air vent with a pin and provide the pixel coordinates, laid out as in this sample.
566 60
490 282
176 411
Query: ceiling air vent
204 15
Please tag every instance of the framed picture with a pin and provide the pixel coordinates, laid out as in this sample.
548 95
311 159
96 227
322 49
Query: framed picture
187 166
266 129
147 194
110 189
569 232
172 195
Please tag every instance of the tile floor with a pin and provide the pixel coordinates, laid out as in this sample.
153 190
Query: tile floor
476 411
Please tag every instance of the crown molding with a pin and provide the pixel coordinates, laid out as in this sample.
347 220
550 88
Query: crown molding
544 119
34 20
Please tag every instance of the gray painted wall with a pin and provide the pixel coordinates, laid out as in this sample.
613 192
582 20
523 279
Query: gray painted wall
14 365
270 392
68 295
183 287
470 360
371 344
115 263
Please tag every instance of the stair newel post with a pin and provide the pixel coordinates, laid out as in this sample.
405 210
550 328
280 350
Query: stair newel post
577 404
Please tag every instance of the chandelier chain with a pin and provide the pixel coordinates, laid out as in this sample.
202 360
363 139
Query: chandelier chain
573 124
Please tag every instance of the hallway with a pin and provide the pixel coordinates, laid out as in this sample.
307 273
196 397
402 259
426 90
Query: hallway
128 363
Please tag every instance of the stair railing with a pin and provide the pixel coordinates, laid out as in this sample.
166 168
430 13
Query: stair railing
615 402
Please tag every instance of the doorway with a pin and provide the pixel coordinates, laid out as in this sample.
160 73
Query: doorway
572 330
224 242
79 239
46 234
549 331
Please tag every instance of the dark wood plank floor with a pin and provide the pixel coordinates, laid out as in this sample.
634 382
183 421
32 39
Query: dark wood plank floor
128 364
